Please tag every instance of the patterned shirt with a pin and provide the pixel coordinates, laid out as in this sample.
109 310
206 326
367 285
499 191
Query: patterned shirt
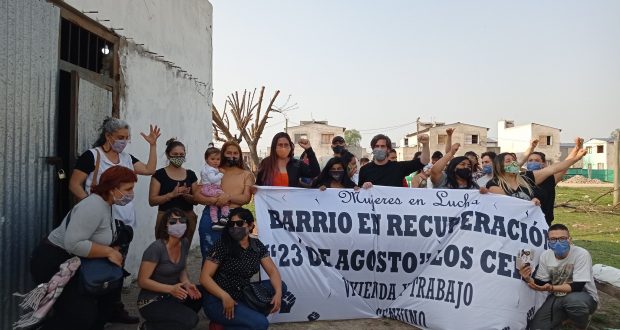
235 272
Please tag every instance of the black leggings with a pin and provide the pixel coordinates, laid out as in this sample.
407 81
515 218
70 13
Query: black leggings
170 313
73 309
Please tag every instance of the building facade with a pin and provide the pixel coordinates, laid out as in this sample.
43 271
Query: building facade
517 139
471 138
320 135
67 65
600 154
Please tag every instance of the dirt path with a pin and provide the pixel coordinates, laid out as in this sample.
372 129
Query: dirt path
607 317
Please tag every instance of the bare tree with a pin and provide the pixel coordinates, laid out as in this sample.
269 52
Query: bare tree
249 116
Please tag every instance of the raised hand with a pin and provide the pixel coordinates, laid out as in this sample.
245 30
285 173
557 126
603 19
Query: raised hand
154 133
423 138
578 143
455 147
449 131
534 143
304 143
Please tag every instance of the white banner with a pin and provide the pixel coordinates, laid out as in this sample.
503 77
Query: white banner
436 259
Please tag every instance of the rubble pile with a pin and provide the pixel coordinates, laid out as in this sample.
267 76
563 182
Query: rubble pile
582 179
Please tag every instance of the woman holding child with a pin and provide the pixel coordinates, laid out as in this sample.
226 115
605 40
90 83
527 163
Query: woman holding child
235 185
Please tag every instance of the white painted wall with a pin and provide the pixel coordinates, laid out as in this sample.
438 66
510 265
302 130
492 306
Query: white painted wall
179 30
514 139
158 95
594 158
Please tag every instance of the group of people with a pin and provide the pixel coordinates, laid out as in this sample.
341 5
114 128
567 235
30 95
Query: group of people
102 222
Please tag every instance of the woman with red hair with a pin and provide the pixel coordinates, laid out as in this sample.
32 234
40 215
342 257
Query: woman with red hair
90 233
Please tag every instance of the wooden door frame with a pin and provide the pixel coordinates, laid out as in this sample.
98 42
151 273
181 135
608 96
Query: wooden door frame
76 17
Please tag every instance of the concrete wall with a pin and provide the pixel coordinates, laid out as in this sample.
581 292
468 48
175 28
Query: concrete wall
459 136
518 138
157 95
552 151
178 30
514 139
313 132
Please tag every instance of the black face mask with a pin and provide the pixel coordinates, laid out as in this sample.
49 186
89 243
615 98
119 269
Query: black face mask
232 161
463 173
336 175
338 149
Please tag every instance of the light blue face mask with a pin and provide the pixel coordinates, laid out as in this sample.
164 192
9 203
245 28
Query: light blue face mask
560 248
533 166
487 169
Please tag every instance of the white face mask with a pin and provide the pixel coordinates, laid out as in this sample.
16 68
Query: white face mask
177 230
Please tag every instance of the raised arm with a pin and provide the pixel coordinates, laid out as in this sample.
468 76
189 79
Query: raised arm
449 132
573 153
528 152
550 170
440 165
425 157
150 167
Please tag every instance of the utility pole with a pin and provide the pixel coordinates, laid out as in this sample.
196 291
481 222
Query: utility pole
617 168
417 132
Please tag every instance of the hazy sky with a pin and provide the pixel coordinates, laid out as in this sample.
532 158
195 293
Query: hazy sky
376 66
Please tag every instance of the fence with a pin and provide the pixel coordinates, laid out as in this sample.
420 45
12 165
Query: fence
603 175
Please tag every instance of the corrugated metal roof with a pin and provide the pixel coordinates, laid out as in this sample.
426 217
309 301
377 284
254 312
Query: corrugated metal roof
28 92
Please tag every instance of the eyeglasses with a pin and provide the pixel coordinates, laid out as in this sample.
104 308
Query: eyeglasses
173 221
559 239
238 223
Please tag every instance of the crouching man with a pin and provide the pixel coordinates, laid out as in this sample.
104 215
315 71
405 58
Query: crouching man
565 270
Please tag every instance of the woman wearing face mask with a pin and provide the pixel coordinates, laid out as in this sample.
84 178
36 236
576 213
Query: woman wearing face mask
507 179
349 161
90 233
171 187
109 151
168 299
229 266
334 176
236 186
458 174
281 169
487 168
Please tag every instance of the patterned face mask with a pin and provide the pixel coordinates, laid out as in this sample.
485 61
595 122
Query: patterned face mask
177 161
512 168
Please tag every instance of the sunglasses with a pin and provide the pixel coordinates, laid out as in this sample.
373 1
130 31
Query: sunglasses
238 223
173 221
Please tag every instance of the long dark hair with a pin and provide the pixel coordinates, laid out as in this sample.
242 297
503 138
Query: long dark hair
232 246
162 232
451 175
324 179
223 156
269 165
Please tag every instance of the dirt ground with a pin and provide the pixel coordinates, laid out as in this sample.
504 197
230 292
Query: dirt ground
607 317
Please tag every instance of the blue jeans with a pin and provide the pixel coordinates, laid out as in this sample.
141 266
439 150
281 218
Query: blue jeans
244 318
206 233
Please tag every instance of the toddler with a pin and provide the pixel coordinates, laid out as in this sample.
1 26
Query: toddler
211 180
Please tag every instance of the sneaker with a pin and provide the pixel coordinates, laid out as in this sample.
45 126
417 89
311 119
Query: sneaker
220 224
